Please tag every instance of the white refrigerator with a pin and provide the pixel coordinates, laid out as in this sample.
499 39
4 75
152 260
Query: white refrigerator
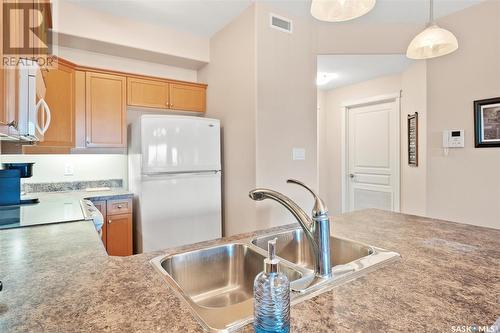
175 175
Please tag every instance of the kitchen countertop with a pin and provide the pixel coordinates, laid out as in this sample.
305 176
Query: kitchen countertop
58 278
54 207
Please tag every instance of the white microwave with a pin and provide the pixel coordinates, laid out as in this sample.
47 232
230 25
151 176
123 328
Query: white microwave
33 111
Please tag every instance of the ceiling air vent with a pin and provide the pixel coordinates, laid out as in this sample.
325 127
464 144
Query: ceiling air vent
280 23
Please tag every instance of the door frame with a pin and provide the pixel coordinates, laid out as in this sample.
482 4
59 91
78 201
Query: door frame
396 97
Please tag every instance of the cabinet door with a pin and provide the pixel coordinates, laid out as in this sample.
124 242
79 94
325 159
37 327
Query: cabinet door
101 206
9 75
3 115
187 97
10 109
106 110
60 90
147 93
119 235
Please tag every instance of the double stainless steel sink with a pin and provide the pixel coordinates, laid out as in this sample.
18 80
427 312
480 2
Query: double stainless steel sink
217 282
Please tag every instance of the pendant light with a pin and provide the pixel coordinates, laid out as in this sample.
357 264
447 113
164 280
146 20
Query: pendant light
433 41
340 10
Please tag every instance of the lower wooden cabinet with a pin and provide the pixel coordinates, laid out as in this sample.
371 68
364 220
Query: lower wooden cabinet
119 235
117 229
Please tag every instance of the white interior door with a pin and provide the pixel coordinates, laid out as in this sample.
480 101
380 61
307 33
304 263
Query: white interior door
373 156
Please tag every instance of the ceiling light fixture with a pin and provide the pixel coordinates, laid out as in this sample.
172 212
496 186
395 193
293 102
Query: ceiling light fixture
433 41
324 78
340 10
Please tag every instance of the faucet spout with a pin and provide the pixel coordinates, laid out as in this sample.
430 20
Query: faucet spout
316 229
304 220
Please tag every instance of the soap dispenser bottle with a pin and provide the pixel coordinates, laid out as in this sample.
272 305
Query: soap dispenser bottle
271 291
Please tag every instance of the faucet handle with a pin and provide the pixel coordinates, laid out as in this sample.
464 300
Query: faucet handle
319 208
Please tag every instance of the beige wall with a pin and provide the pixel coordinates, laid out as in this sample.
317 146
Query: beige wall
266 110
261 85
99 60
414 99
322 144
413 84
330 162
464 186
75 20
286 113
231 97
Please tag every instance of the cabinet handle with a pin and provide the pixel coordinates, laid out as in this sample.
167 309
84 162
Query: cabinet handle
119 206
109 221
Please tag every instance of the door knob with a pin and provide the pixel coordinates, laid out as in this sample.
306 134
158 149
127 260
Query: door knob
351 175
109 221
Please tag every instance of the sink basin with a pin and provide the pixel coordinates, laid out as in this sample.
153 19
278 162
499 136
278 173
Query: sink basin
217 282
219 276
294 247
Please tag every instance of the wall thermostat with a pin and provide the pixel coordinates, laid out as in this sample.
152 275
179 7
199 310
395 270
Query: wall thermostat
453 139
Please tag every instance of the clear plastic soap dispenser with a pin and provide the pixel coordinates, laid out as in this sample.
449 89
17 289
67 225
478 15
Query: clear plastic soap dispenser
271 290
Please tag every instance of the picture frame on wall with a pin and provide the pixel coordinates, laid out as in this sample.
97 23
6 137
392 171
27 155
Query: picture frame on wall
487 123
413 139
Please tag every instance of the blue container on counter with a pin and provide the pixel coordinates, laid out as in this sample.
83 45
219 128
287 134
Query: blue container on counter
10 187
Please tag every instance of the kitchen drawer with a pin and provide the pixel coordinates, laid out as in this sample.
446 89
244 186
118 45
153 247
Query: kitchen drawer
119 206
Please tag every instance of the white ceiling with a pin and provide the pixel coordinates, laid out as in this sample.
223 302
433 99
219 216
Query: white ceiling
205 17
353 69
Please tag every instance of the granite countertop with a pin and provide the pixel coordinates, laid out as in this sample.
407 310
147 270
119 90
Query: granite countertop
54 207
58 278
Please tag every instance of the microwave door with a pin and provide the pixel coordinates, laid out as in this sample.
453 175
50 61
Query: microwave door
33 114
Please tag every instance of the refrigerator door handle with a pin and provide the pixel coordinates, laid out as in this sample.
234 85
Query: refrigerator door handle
194 173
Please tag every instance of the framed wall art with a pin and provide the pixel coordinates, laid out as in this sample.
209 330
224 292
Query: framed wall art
413 139
487 123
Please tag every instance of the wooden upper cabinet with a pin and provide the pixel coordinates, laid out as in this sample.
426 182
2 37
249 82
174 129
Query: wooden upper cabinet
187 97
105 110
59 95
147 93
158 94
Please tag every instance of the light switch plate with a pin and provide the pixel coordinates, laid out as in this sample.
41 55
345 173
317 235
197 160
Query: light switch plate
298 154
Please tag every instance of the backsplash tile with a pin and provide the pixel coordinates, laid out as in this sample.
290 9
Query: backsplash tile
70 186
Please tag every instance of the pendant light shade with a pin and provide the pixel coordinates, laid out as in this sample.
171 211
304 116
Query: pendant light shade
340 10
433 41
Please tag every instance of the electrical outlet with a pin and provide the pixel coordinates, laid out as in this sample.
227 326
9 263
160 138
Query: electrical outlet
69 169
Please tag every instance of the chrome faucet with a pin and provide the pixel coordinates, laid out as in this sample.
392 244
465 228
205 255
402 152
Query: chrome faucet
316 229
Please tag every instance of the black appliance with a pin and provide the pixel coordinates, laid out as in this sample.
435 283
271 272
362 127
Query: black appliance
10 183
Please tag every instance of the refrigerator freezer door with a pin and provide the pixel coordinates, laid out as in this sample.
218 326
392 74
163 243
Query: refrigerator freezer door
179 144
178 209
